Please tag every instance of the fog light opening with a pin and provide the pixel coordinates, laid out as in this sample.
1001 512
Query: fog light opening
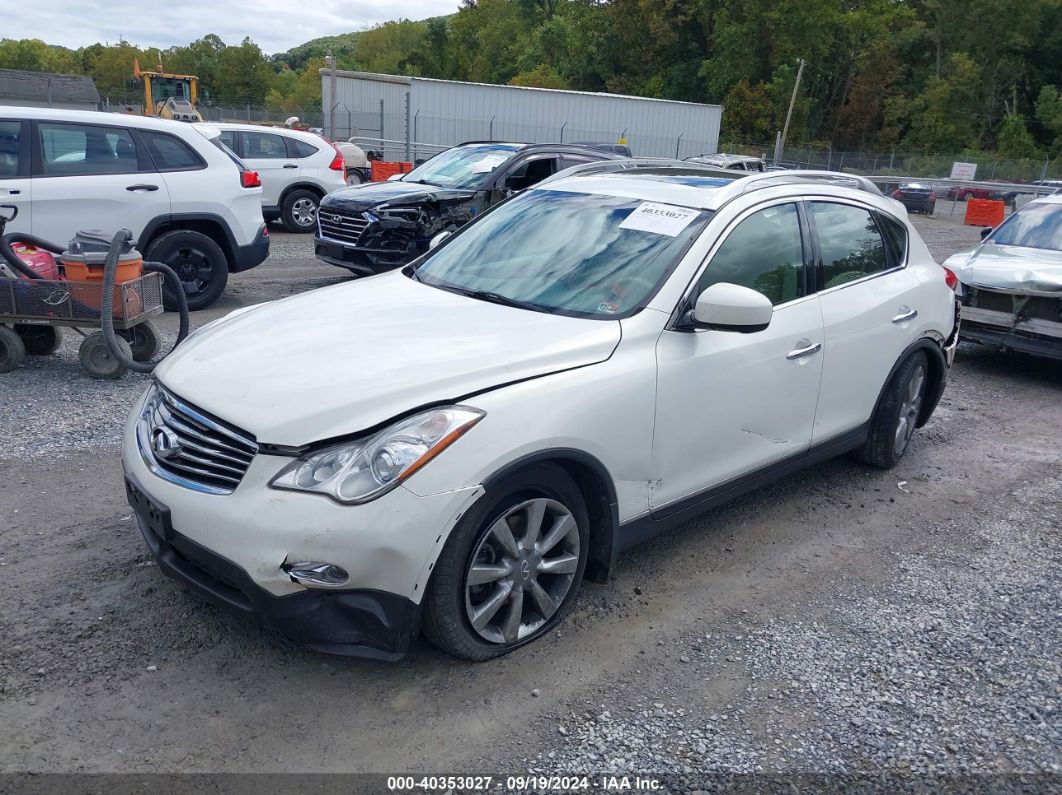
315 574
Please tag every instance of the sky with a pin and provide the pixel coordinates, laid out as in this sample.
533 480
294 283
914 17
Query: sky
275 25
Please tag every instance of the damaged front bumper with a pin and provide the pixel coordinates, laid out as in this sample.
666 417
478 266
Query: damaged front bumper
1025 322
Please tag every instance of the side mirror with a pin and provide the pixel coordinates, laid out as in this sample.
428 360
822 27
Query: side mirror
731 307
986 232
395 177
439 238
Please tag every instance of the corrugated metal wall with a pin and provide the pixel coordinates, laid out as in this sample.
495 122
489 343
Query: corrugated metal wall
443 112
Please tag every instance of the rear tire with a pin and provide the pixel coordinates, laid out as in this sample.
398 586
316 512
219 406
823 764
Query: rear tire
894 421
39 340
97 358
542 574
12 350
199 261
298 212
355 178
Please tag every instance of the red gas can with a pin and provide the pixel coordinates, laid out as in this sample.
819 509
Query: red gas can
38 259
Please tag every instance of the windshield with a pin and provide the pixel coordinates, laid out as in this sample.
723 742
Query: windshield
1034 226
463 167
577 254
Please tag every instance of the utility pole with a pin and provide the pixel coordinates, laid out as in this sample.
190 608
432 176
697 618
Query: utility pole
330 60
779 143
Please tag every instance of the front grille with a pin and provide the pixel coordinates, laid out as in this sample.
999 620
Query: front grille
186 446
341 225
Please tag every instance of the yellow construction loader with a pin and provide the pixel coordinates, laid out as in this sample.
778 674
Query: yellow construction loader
169 96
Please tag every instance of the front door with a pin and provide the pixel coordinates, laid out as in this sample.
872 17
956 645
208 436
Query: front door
15 185
729 402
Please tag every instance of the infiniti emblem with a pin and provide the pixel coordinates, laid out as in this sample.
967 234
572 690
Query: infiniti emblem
164 443
525 570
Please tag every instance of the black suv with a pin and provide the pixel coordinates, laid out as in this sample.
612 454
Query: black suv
380 226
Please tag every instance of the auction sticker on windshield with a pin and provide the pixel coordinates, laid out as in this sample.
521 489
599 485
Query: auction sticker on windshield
661 219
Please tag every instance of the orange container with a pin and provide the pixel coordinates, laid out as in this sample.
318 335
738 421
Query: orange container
383 170
87 278
984 212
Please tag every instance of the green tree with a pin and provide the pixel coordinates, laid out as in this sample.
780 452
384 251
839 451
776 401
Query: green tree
1015 140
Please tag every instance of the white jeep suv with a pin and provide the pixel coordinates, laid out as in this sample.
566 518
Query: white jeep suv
454 445
297 169
189 202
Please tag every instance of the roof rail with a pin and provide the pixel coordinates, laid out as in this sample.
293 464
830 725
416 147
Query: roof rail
771 179
642 164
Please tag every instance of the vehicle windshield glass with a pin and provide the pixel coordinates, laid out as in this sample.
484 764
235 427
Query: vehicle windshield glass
463 167
577 254
1034 226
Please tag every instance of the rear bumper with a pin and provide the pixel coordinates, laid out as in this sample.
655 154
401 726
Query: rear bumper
254 253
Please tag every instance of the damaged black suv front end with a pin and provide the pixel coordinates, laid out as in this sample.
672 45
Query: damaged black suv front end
378 227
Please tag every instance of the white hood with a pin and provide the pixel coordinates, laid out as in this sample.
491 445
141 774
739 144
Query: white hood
1011 268
343 359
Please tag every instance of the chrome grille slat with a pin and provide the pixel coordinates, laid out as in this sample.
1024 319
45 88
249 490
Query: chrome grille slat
181 444
181 427
340 225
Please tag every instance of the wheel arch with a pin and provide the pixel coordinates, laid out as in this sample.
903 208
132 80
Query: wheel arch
592 479
207 224
311 187
938 372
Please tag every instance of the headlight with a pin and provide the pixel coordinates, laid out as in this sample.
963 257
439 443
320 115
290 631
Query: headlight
363 470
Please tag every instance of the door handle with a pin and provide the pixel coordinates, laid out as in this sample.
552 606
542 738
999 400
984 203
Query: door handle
143 187
906 313
807 350
12 191
290 165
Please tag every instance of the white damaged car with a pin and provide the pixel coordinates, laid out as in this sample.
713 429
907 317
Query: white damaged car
455 446
1012 282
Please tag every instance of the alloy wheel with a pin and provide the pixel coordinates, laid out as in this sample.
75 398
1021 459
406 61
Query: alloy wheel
193 268
522 570
909 409
304 212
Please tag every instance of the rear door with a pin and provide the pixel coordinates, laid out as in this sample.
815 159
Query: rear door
16 188
267 153
870 306
92 176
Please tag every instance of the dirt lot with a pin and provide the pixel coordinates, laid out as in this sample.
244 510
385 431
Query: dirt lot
842 621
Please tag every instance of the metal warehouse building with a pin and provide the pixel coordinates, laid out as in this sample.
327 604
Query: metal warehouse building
409 116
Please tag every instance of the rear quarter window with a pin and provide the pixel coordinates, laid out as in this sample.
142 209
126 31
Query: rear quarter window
300 149
895 235
170 153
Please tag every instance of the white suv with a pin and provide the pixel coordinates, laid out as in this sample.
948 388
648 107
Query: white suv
454 445
189 202
297 170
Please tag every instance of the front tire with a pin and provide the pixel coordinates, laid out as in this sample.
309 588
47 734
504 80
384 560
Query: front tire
12 349
512 567
894 422
298 212
199 261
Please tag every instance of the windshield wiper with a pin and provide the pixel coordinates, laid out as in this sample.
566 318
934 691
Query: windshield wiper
498 298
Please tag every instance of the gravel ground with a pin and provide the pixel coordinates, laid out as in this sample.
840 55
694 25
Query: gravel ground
843 622
952 667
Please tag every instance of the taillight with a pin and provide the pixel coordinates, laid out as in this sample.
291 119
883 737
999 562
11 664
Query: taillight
951 279
250 179
337 161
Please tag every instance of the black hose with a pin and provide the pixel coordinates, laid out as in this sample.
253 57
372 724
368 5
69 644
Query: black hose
12 259
110 273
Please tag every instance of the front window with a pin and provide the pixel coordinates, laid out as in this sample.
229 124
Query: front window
463 167
1034 226
576 254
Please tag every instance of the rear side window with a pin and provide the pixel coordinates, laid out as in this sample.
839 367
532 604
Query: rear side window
300 148
263 145
765 252
10 140
895 239
76 149
170 153
850 243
